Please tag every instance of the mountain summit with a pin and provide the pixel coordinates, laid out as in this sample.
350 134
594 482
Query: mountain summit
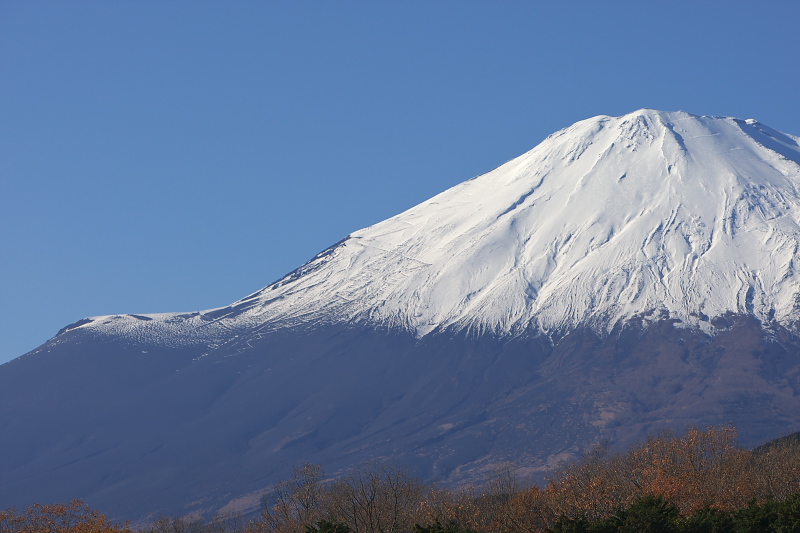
653 214
628 274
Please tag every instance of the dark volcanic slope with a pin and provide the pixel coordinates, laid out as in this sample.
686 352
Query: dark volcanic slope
141 429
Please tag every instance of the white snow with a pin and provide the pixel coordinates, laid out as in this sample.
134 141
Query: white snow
649 214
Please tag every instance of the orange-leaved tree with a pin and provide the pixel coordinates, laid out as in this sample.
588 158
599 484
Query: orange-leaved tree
72 517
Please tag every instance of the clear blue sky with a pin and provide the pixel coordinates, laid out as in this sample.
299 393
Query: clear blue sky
176 156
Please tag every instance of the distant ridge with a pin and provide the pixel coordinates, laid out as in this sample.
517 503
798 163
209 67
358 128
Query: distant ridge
792 438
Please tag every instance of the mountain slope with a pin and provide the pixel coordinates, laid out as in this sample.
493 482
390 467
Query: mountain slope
626 274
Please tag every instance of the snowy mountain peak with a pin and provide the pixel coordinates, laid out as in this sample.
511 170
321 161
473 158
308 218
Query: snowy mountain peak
652 214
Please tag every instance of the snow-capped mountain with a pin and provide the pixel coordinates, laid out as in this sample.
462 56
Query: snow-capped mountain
654 214
628 274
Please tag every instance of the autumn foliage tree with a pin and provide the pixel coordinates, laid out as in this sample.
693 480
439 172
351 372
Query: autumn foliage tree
702 468
72 517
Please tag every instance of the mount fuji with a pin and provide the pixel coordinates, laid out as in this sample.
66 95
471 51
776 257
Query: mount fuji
628 274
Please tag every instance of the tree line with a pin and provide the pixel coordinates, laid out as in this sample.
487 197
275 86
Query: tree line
700 481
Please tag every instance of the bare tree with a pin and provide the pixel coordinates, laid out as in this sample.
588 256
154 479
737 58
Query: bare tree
226 523
376 499
295 503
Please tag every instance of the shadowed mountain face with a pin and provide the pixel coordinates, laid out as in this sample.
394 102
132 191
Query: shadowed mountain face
139 429
628 274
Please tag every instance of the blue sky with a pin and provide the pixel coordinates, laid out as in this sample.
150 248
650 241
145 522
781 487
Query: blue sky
176 156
